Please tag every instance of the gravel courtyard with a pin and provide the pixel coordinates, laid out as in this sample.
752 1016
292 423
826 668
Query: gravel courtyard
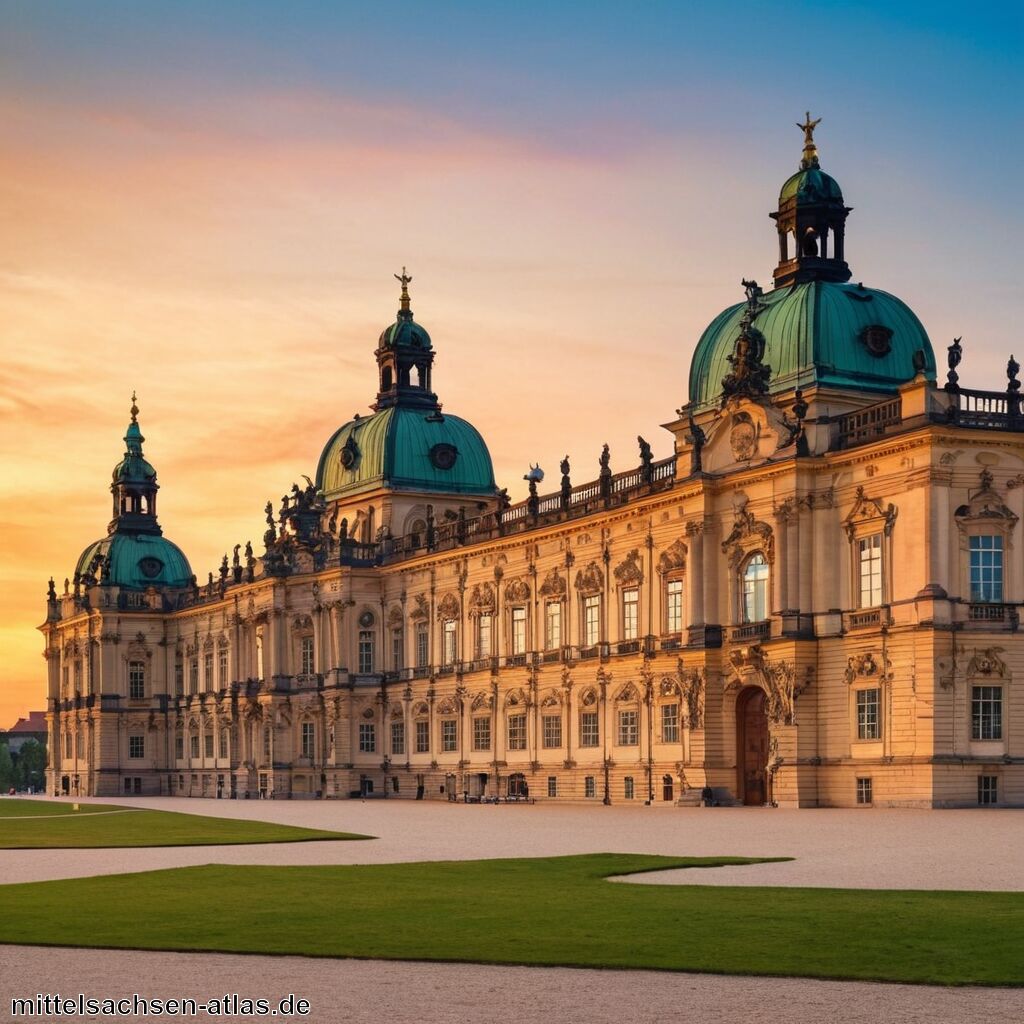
903 849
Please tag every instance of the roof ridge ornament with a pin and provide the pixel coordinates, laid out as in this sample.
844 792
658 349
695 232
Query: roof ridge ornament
135 408
810 158
405 280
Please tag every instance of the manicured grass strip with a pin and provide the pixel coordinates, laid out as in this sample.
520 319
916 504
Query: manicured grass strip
554 911
19 807
149 828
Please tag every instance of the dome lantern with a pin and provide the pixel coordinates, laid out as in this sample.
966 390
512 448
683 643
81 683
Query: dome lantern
134 485
812 219
404 359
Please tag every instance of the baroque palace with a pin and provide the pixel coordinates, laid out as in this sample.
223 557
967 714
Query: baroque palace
815 601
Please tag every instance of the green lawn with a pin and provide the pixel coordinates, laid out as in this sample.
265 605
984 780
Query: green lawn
21 807
131 827
554 911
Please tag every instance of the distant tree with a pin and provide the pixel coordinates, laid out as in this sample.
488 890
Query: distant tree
6 769
31 765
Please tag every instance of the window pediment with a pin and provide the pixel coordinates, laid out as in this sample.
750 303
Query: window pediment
868 515
673 558
629 571
748 534
590 580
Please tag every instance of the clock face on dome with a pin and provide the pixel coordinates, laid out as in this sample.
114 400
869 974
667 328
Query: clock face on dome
150 567
443 455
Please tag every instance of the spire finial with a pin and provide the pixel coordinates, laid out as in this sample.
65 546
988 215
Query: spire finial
134 409
405 281
810 149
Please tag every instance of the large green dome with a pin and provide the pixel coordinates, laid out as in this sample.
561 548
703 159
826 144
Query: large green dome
818 333
137 561
403 448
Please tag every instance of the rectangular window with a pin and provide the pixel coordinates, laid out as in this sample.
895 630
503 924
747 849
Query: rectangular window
423 737
136 680
179 678
365 651
422 647
482 733
397 650
630 614
267 740
628 728
986 568
208 744
553 625
518 630
259 652
398 737
67 746
552 785
136 746
222 668
306 655
223 735
669 723
208 680
589 787
674 606
449 642
986 713
449 735
552 730
367 738
627 787
483 636
517 732
589 733
988 789
193 676
179 748
867 714
592 620
870 550
308 740
193 747
864 795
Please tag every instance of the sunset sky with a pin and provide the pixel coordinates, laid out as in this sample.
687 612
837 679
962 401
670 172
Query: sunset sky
206 202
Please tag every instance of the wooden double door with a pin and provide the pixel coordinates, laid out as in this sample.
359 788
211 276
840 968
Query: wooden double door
752 747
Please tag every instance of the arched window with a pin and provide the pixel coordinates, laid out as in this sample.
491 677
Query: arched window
755 589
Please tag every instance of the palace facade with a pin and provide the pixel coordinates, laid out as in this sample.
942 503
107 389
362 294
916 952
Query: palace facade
814 602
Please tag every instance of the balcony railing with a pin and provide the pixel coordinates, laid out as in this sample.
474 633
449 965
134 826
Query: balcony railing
751 631
865 424
986 410
987 612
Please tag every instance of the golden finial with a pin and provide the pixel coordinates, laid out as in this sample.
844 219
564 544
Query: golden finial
810 149
405 281
134 409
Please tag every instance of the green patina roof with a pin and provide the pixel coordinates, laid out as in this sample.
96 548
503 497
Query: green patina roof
404 333
392 448
127 553
812 335
810 185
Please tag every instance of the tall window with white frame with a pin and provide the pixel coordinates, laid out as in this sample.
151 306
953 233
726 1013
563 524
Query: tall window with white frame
422 645
366 653
397 737
306 655
222 668
209 683
517 732
630 614
308 740
136 680
870 570
755 589
397 649
986 712
629 727
552 731
674 606
449 642
868 714
367 738
222 741
553 625
669 723
591 620
484 629
422 736
482 733
986 568
590 734
449 735
518 630
136 746
193 675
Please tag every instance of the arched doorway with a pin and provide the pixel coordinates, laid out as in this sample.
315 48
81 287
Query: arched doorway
667 788
752 747
517 785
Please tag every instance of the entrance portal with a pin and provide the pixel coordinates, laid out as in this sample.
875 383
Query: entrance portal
752 747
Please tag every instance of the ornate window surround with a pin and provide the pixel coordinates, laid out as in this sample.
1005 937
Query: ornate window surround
866 518
986 515
749 536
